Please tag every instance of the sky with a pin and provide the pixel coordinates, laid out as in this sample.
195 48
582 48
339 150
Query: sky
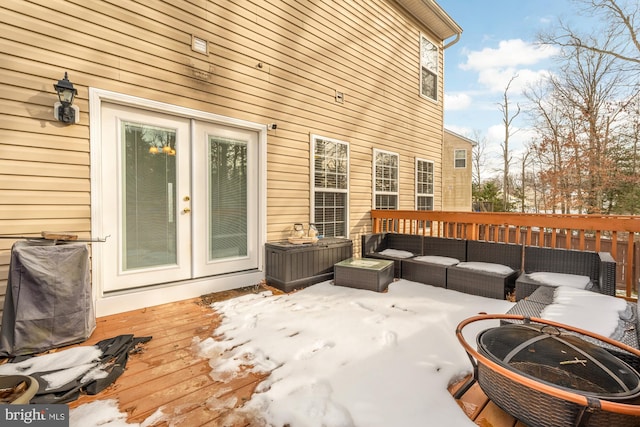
498 43
343 357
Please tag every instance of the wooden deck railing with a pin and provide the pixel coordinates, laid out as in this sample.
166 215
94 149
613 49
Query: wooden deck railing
616 234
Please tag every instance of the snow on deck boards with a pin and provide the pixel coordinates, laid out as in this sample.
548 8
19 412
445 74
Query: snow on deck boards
168 376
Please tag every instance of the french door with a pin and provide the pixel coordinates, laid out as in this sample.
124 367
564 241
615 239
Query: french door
179 197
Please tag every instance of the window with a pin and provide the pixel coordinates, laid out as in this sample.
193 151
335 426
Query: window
428 69
385 178
330 186
424 185
460 159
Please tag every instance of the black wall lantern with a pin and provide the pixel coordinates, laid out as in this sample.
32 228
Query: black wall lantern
64 110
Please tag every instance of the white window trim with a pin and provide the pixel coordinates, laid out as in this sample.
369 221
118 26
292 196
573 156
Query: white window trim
373 179
432 195
455 158
437 71
312 187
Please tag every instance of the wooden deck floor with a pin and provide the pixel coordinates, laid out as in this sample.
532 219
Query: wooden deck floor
168 376
480 409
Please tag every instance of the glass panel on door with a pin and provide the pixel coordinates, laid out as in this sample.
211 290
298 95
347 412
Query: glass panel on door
145 197
227 198
149 179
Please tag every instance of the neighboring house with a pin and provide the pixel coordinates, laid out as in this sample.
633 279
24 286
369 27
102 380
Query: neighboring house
456 172
209 128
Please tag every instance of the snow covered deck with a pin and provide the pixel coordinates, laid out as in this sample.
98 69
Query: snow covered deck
169 384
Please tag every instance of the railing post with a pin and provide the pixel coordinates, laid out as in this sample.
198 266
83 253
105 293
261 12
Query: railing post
629 279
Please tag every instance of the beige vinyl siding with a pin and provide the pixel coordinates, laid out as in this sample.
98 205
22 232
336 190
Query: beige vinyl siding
4 274
268 62
457 191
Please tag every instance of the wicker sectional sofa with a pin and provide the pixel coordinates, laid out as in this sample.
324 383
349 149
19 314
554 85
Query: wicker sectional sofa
420 268
374 246
438 254
495 269
599 267
520 263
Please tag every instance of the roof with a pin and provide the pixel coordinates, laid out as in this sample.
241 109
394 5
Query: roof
432 16
464 138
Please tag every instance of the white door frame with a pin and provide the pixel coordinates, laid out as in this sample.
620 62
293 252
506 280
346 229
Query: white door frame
116 302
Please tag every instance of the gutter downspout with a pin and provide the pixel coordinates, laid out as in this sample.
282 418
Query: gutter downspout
452 42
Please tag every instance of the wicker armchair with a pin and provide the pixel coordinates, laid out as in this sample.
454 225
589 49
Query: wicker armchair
487 283
431 272
600 267
373 244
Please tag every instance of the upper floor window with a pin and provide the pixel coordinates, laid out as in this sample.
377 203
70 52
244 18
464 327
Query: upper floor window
460 159
385 178
424 185
428 68
330 186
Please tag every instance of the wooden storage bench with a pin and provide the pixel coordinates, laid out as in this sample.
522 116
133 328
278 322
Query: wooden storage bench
290 266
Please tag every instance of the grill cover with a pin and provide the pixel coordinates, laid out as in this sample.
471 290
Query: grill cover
48 302
560 359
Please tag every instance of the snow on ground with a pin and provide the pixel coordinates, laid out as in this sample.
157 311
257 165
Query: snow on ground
343 357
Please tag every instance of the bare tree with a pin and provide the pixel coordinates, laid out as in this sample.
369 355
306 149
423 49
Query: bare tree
623 196
621 28
479 156
599 86
549 119
591 87
576 115
525 163
507 120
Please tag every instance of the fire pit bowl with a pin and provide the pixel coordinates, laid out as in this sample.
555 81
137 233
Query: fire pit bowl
546 375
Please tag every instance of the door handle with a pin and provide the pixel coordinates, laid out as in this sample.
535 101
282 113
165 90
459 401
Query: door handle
186 210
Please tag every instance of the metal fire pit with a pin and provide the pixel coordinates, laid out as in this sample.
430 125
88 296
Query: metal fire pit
546 375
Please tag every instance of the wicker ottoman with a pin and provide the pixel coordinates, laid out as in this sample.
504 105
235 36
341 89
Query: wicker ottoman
364 273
